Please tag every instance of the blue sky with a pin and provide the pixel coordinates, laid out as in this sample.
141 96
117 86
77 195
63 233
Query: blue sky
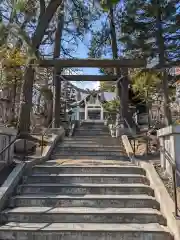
82 52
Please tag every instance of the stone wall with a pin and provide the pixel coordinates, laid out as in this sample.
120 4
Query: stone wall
7 135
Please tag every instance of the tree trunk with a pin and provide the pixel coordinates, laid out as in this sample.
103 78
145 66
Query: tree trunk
122 90
25 108
56 100
50 112
162 61
26 101
39 103
13 102
113 37
115 56
57 72
125 99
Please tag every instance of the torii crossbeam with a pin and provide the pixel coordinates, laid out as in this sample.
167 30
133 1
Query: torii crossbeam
91 78
92 63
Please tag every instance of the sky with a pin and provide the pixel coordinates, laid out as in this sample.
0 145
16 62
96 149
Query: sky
82 52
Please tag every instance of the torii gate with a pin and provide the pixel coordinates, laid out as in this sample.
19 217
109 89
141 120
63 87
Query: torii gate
123 64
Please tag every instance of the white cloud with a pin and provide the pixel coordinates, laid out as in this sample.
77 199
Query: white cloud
95 85
88 85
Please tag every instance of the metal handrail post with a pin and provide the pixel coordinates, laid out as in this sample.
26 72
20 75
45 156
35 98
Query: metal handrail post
175 191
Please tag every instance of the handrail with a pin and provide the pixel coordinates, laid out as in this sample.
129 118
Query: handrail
9 145
43 134
128 126
72 128
133 137
174 172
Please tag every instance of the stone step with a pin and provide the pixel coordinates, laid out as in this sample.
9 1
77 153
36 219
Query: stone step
105 201
91 134
88 147
79 152
79 157
95 140
100 169
82 214
91 138
79 189
91 144
98 130
86 162
86 178
93 130
83 231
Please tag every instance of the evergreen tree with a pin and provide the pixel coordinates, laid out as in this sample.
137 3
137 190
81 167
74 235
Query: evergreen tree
140 29
149 29
105 43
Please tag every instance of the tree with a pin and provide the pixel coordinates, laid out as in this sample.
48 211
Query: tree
57 82
11 40
11 80
26 17
68 96
28 10
45 16
153 35
112 108
109 86
78 15
40 31
145 84
105 42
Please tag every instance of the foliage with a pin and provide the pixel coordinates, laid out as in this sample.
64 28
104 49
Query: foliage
107 86
12 61
112 106
106 3
140 29
145 84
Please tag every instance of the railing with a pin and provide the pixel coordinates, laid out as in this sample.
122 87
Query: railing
43 135
72 126
133 137
8 147
175 173
142 134
42 142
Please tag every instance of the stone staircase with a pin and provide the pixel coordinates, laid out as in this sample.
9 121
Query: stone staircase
84 199
90 141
